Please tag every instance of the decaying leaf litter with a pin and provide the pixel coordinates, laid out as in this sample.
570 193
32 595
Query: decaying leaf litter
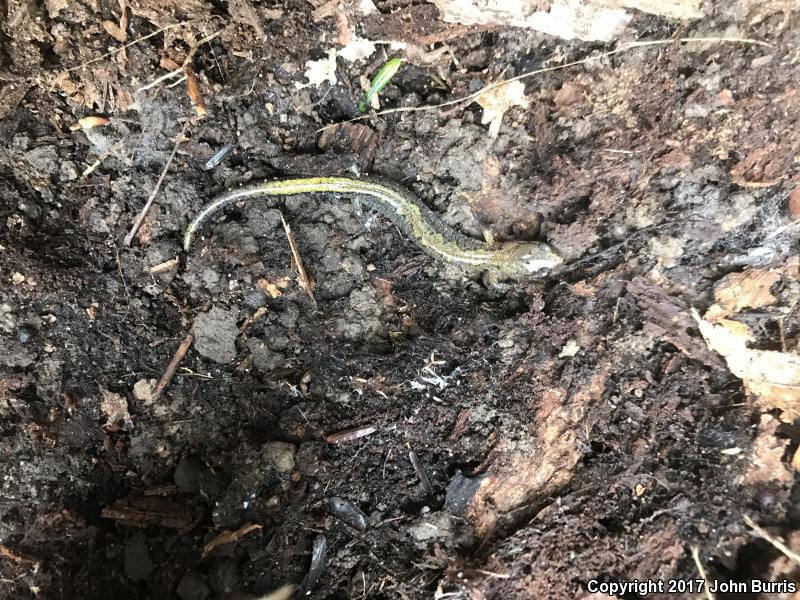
416 433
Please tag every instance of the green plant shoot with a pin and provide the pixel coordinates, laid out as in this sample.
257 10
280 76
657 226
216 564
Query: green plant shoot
380 81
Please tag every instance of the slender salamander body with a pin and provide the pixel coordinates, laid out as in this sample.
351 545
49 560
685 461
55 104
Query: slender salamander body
426 228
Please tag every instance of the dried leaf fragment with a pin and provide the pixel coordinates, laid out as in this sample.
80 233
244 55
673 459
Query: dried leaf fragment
497 100
772 377
320 71
115 408
90 123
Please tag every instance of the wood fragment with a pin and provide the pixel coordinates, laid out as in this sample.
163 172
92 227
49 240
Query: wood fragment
305 281
419 469
149 203
167 265
763 533
348 435
701 570
226 537
351 137
172 366
148 511
460 425
757 185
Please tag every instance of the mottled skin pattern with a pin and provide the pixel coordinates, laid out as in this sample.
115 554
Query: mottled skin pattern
504 260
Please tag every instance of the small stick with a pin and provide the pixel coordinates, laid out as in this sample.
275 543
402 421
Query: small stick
149 203
172 366
182 69
302 276
791 554
700 569
420 471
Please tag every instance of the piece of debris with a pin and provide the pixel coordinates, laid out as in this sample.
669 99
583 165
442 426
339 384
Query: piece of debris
570 349
351 137
193 89
280 455
143 390
177 358
90 123
115 408
348 435
148 511
737 291
146 208
218 157
320 71
588 20
317 563
348 512
302 277
226 537
497 100
772 377
17 557
420 471
766 465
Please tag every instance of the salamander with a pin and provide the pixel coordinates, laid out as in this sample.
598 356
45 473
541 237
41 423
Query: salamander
502 260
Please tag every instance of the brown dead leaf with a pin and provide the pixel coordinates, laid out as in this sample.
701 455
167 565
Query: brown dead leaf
772 377
226 537
496 101
114 31
115 408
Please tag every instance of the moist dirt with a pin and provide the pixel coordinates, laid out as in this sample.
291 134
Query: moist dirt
446 438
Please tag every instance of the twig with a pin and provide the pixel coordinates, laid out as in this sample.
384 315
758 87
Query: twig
186 62
491 86
172 366
700 569
302 276
791 554
129 44
149 203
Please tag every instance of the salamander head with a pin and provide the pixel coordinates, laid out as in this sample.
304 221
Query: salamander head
525 259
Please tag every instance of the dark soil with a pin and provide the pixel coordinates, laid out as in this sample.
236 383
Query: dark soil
517 442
